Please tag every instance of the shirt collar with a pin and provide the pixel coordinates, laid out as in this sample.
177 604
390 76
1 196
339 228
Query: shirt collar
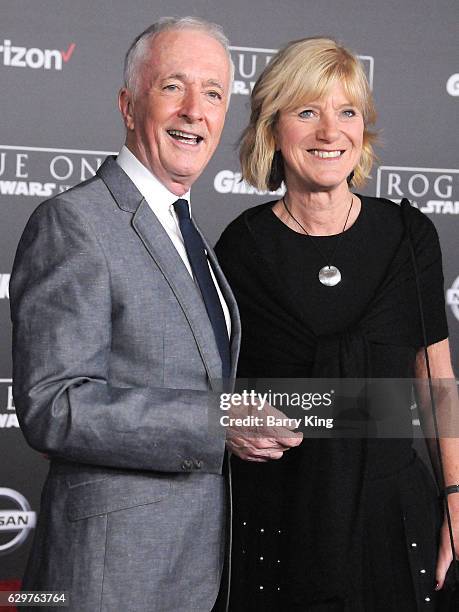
155 193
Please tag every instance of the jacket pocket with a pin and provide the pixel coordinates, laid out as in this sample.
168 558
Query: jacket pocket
114 493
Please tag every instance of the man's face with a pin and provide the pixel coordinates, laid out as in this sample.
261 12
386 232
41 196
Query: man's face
175 117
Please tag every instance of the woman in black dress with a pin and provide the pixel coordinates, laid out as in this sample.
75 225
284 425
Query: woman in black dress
326 288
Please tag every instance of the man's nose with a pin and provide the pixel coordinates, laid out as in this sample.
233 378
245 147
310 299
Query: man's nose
191 107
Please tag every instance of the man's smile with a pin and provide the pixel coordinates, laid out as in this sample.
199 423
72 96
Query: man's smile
185 137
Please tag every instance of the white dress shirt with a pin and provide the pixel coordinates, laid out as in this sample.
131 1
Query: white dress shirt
161 202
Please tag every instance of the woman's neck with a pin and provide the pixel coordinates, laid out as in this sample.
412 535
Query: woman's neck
319 213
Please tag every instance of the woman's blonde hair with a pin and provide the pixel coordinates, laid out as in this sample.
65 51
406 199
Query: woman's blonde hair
303 71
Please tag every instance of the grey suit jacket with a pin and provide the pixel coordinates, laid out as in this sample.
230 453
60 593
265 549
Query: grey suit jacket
115 377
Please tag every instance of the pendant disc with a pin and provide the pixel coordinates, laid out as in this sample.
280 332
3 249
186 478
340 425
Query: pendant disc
329 276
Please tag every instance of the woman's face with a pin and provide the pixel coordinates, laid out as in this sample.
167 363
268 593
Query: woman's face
320 142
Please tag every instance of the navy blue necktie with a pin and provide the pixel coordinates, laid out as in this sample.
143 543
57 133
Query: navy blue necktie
195 249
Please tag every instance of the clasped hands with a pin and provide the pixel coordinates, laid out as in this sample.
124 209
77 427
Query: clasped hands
252 439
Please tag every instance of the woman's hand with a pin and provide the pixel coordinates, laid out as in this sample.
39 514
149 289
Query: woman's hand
445 555
447 412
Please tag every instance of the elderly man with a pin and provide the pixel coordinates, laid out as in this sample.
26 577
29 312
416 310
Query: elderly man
123 326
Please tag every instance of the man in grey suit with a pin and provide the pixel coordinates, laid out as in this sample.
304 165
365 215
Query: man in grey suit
120 339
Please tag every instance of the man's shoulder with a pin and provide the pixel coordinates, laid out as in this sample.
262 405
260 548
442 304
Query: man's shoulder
82 191
90 198
82 194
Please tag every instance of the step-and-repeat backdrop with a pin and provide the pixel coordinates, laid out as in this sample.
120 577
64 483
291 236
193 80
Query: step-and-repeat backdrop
60 70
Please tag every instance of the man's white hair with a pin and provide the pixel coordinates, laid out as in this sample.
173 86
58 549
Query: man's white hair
137 52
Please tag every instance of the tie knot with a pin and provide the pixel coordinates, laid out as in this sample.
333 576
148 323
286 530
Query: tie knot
182 209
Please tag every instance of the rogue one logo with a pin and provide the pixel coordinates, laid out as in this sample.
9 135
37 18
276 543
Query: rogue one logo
452 298
21 57
16 522
8 416
452 85
249 63
4 286
432 190
42 172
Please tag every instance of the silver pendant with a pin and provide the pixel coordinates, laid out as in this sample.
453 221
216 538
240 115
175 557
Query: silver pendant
329 276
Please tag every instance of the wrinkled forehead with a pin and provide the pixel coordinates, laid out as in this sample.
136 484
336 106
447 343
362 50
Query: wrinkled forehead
189 52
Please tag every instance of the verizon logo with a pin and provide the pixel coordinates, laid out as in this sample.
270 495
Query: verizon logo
48 59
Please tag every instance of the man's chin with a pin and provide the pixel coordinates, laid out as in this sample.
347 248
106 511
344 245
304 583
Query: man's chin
186 172
180 180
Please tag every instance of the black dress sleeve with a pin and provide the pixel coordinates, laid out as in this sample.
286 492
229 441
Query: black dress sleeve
428 255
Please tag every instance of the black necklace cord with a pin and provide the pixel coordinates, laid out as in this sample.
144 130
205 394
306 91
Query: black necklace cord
327 259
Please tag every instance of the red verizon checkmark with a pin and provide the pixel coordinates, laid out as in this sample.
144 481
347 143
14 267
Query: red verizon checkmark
66 55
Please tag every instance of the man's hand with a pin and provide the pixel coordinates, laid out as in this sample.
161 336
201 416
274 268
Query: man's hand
255 440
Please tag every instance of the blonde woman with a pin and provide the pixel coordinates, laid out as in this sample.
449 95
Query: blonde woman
326 288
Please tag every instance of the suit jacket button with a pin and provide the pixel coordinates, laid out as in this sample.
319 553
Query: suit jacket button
187 465
198 464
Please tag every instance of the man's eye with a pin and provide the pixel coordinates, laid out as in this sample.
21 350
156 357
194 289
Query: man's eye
215 95
306 114
171 87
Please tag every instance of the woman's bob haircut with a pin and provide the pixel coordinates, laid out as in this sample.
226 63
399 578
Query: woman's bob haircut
303 71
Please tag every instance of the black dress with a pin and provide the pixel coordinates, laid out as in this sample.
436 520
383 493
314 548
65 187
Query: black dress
335 524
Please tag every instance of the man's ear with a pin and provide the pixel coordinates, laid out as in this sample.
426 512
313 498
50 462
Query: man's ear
126 106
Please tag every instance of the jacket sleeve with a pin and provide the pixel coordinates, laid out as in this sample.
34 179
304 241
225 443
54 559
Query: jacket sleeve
61 312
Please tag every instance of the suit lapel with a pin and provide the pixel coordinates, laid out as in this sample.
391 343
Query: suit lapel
123 190
159 246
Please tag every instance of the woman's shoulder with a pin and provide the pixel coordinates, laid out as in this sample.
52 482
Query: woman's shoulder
387 212
383 209
235 249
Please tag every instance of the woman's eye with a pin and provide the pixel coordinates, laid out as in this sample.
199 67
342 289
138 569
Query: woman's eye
349 112
306 114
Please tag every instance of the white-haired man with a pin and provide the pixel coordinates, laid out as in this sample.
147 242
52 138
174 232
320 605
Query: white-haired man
123 326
